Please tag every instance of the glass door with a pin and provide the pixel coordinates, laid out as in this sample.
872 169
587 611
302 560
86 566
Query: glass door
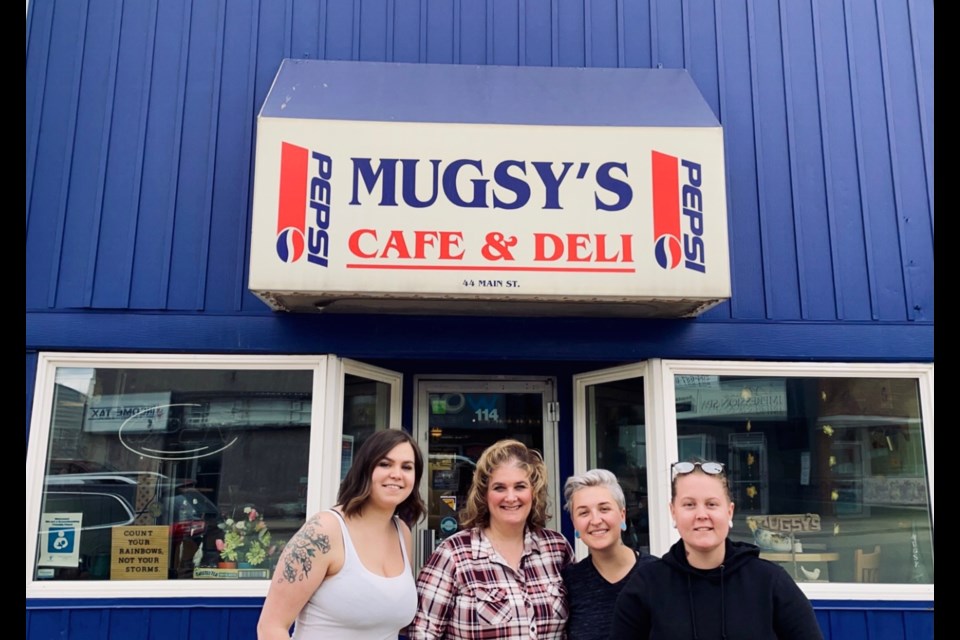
366 409
370 401
610 432
456 420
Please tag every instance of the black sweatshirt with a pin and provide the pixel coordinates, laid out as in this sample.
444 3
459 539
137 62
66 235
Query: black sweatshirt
745 598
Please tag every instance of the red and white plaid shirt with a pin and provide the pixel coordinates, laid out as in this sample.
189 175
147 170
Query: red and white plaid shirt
467 591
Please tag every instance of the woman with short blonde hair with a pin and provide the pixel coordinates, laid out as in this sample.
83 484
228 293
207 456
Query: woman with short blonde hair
598 509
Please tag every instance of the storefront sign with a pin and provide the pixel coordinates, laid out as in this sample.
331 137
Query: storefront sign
496 208
140 553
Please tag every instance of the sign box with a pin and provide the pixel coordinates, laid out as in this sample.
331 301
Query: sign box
457 188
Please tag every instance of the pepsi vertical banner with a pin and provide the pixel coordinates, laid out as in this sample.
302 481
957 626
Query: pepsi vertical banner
381 209
291 208
677 213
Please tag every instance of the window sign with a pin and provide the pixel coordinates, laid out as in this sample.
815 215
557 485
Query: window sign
140 553
60 539
469 411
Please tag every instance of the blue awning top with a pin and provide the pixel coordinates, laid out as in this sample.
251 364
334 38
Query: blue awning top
410 92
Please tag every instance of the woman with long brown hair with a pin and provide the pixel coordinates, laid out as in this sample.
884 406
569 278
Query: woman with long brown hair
346 574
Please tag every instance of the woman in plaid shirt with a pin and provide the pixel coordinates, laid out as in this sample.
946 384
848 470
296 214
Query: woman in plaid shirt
500 576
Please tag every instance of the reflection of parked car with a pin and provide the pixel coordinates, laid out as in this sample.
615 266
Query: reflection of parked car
76 465
116 499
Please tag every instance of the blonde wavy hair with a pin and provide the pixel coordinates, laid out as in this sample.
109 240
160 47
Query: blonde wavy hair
477 513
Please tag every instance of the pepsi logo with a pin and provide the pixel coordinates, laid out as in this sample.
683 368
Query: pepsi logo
667 251
290 244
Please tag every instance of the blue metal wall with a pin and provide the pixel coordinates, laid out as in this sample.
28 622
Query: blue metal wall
140 122
140 125
236 619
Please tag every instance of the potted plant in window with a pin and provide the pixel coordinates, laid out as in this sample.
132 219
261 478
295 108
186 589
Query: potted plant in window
246 540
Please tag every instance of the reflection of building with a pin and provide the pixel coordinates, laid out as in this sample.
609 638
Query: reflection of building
141 144
749 480
70 412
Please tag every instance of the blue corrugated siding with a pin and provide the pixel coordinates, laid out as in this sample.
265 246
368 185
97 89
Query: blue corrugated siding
140 126
31 381
143 623
226 620
805 165
904 120
123 176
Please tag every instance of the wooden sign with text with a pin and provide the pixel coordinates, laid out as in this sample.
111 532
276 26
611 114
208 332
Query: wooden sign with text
140 553
799 522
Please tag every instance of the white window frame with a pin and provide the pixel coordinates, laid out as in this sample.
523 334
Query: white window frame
661 436
339 369
923 373
325 428
654 437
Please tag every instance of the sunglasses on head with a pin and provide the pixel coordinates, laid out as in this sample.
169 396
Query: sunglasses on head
683 468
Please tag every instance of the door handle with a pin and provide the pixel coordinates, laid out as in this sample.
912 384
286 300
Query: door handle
427 540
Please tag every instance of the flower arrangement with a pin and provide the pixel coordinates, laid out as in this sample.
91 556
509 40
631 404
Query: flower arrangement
246 539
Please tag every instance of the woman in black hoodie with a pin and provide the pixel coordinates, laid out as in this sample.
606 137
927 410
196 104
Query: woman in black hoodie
707 587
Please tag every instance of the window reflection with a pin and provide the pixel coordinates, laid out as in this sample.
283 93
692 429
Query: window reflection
617 442
825 472
169 474
366 409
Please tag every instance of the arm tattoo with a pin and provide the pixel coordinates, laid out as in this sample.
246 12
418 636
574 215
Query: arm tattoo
301 550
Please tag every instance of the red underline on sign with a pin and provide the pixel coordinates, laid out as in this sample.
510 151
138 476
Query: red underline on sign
460 267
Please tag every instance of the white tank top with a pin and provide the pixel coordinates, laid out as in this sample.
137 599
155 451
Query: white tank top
357 604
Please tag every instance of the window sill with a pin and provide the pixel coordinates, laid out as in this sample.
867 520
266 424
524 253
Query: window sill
148 589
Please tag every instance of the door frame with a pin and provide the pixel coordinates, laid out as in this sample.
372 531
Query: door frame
661 446
424 384
333 385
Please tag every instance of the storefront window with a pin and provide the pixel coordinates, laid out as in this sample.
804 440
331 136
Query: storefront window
173 474
828 474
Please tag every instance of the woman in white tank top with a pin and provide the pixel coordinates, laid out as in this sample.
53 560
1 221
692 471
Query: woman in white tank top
347 573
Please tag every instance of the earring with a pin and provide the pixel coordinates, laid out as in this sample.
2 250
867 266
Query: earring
576 534
674 524
731 524
623 526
